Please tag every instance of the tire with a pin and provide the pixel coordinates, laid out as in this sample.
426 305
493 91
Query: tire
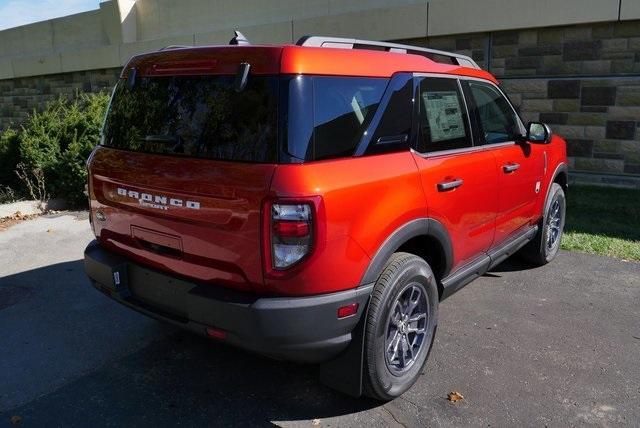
545 245
406 282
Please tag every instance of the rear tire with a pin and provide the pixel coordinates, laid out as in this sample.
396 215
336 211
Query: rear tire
545 245
401 326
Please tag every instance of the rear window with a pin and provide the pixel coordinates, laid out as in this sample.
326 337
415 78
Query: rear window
327 116
197 116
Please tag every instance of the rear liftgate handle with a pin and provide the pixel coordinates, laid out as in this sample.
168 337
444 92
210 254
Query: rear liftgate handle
449 185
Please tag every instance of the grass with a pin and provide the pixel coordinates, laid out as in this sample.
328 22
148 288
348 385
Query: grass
604 221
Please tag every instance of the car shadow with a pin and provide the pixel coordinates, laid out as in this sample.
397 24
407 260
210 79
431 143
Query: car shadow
174 377
602 211
512 264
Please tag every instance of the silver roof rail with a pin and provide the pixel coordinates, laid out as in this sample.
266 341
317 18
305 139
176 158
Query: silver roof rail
345 43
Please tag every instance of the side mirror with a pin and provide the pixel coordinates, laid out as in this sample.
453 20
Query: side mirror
538 133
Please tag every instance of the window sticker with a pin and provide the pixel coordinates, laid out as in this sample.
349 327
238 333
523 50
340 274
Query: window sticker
444 115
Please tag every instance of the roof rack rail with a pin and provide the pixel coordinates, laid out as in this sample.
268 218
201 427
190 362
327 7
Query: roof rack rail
168 48
345 43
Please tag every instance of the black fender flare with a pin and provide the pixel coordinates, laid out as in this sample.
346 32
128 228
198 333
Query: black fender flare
415 228
345 372
561 168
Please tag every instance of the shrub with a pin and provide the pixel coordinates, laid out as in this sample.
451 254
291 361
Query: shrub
9 158
33 180
7 194
57 142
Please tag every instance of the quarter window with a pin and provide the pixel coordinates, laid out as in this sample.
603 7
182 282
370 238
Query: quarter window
327 116
443 117
342 110
498 120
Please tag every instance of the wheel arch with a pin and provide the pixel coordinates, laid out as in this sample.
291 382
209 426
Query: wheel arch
424 237
561 176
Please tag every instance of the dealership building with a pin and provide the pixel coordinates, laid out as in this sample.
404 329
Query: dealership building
574 64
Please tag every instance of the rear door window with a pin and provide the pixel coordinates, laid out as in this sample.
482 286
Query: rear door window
444 121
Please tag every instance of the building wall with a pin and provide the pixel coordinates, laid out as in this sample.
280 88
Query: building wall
20 97
582 80
574 64
74 31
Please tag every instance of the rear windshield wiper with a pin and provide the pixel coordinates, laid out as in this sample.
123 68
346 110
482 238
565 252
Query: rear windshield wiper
178 146
173 139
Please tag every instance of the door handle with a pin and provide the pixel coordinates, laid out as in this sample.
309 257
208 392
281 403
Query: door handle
449 185
510 167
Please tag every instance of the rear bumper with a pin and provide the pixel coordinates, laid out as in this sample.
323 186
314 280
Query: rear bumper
302 329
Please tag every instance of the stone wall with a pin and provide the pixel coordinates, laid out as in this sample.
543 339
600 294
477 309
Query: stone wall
19 97
583 80
598 117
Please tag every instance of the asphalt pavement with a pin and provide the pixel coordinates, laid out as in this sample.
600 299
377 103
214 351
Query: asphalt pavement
551 346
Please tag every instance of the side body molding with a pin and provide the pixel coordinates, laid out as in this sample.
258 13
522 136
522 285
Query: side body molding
415 228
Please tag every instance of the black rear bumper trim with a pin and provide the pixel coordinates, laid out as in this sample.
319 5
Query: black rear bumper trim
302 329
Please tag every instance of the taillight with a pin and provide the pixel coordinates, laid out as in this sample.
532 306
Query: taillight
290 233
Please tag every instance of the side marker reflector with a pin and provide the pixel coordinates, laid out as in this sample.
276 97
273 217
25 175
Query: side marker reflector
347 311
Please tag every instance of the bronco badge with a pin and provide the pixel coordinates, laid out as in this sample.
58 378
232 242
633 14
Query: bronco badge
157 202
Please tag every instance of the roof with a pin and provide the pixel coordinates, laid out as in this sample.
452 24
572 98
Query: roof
290 59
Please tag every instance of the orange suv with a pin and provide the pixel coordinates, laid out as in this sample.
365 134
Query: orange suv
315 202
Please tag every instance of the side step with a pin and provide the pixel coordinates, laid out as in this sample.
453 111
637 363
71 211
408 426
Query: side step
481 265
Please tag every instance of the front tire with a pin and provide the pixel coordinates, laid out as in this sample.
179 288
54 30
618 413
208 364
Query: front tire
545 245
401 326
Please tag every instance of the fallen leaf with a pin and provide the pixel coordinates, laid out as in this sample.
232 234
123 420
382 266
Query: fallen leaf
455 396
17 217
15 420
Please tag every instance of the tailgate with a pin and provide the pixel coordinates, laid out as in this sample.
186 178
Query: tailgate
185 161
193 217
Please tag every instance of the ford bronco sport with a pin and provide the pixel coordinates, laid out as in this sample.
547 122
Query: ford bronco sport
315 202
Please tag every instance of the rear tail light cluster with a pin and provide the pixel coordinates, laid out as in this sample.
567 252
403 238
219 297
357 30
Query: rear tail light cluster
290 233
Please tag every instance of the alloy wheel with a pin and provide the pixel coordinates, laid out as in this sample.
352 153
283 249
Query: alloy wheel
406 329
554 224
